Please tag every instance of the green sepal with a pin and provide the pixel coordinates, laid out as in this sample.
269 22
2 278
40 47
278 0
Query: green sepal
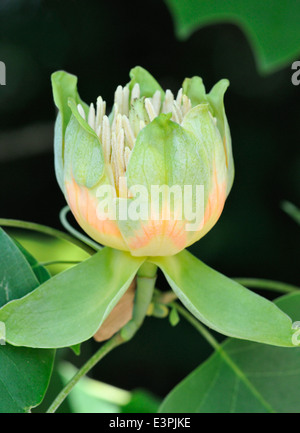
223 304
174 318
70 307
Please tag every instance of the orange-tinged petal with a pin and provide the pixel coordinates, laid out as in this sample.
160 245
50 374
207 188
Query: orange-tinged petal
83 205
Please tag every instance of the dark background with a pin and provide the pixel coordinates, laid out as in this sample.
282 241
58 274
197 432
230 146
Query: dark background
100 41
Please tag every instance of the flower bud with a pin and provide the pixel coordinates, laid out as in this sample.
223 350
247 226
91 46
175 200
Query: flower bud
153 176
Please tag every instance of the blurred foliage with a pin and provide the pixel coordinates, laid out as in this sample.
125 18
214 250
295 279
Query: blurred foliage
91 396
292 210
272 27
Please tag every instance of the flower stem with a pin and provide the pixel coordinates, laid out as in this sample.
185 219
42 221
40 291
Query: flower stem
114 342
145 283
197 325
59 262
146 278
275 286
47 231
74 232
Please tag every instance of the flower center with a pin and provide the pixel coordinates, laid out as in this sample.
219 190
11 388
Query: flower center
119 131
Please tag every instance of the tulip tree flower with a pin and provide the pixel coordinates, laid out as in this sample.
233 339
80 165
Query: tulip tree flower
146 181
151 139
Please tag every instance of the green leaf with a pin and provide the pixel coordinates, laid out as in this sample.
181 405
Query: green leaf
16 276
223 304
243 377
24 377
148 84
272 27
70 307
24 373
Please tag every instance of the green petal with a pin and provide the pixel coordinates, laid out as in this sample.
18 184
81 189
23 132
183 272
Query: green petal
167 154
200 124
216 101
148 84
58 152
194 89
223 304
84 159
64 86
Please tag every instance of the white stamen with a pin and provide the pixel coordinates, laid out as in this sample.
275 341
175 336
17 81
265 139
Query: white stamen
113 157
135 94
98 131
91 117
150 109
106 140
128 132
101 105
187 105
179 97
118 124
127 154
119 97
125 106
156 101
168 102
118 138
120 152
176 113
115 114
81 111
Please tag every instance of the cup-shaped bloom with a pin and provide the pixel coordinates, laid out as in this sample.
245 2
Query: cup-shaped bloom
153 176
